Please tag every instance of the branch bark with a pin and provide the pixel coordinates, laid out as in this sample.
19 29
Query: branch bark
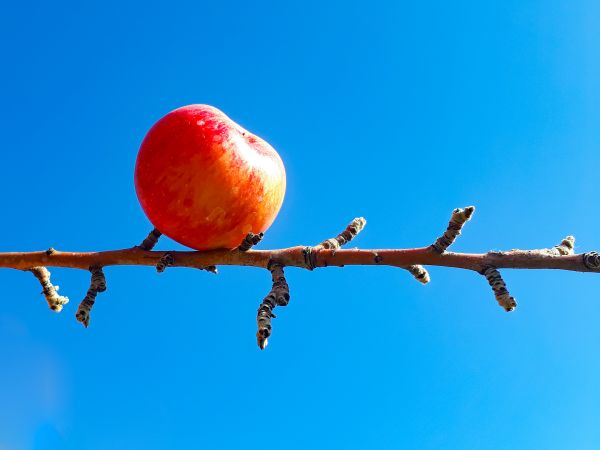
295 257
327 253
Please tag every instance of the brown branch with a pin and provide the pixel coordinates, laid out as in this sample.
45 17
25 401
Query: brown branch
459 217
295 256
566 247
328 253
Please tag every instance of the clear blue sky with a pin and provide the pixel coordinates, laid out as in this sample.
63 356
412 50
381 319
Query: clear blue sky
397 111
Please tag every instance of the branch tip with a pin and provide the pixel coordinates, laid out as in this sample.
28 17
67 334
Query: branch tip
98 281
498 285
151 240
351 231
420 273
50 292
278 296
97 284
459 217
165 261
250 241
566 247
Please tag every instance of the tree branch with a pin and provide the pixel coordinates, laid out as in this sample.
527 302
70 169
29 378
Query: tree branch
327 253
295 257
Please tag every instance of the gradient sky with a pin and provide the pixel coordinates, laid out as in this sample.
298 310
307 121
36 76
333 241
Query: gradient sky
396 111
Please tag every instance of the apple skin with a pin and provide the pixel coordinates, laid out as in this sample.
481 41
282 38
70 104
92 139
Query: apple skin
206 182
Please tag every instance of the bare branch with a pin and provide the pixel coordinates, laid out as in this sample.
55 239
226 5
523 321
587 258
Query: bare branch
351 231
499 287
328 253
591 260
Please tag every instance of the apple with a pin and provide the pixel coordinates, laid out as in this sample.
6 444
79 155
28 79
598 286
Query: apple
205 181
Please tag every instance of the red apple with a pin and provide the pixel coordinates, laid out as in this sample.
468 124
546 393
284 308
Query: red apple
206 182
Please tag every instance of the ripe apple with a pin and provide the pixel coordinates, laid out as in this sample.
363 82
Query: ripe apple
206 182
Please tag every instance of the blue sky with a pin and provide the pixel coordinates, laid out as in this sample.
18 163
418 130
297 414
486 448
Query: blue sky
396 111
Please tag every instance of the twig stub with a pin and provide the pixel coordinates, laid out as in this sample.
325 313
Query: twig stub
459 217
420 273
559 257
566 247
151 240
97 284
165 261
55 301
498 285
351 231
250 241
278 296
211 269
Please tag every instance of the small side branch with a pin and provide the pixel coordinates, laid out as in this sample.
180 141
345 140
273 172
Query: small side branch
351 231
459 217
151 240
55 301
591 260
420 273
278 296
566 247
97 284
165 261
498 285
250 241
